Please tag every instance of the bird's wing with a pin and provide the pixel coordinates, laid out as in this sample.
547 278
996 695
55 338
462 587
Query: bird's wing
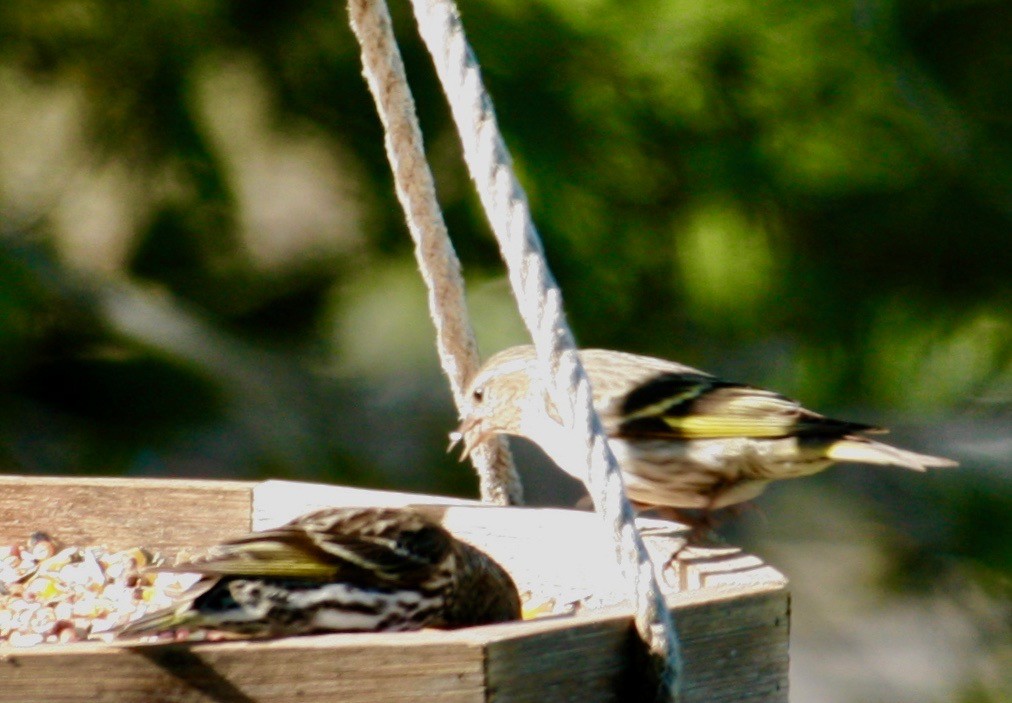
699 406
395 544
355 545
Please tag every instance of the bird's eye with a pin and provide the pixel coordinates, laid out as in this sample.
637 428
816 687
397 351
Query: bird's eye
478 394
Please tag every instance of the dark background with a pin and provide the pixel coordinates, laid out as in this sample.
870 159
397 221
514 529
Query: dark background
204 270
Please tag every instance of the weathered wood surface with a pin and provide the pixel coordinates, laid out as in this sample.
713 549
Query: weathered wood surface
408 667
732 611
734 645
161 514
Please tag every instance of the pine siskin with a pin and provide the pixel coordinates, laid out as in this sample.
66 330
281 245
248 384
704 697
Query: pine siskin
683 438
341 570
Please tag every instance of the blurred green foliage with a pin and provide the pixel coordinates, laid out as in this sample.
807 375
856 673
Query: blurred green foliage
204 270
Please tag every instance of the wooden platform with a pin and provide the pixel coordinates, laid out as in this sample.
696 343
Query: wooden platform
731 610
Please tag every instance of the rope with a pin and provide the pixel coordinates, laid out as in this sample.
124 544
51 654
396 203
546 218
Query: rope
540 302
439 265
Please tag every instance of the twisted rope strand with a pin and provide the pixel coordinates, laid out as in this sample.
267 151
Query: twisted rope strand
440 268
540 303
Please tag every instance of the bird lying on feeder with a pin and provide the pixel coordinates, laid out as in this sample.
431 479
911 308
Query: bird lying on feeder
340 570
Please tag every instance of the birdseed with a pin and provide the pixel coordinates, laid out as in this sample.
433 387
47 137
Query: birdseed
53 594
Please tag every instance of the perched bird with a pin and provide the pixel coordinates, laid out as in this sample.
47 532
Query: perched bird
340 570
683 438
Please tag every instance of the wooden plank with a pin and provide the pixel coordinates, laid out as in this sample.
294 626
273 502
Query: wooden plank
276 502
160 514
736 649
734 645
402 668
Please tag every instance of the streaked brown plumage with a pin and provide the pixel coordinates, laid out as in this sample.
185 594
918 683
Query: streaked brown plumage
684 438
341 570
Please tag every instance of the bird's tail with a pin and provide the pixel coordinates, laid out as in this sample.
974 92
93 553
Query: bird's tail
179 615
866 451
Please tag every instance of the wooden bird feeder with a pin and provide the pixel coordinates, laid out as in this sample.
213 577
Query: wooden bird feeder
732 611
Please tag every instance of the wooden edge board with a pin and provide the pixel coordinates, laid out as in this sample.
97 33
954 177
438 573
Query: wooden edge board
275 502
161 514
321 669
734 650
128 482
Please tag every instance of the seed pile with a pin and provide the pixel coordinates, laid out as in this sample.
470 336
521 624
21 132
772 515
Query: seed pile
54 594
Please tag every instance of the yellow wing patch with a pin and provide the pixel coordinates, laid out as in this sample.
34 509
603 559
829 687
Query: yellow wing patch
263 557
715 426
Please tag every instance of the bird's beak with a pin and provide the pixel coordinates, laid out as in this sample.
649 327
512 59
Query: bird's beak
466 435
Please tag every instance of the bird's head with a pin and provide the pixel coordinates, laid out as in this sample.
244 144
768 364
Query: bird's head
484 593
500 399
